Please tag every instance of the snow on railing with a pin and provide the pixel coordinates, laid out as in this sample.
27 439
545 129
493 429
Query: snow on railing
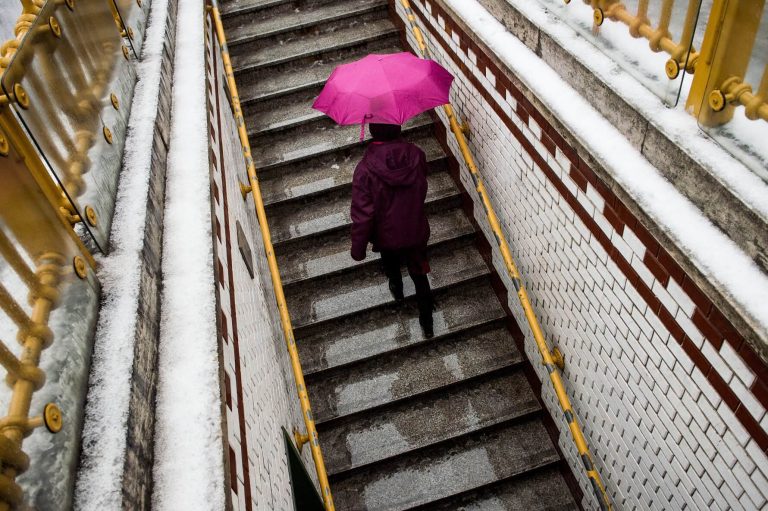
716 41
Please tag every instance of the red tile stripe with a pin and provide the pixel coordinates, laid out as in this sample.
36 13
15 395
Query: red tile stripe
227 284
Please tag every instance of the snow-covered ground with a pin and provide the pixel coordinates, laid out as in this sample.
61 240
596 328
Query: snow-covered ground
704 243
188 471
9 13
104 429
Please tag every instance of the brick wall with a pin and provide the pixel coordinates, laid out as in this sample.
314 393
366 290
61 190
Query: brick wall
259 396
672 398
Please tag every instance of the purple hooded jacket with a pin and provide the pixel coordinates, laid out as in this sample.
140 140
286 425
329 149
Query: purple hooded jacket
388 191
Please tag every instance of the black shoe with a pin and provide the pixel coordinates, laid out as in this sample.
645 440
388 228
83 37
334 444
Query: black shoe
426 326
397 292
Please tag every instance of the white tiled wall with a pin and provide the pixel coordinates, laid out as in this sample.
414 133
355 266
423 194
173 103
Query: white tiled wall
269 399
661 435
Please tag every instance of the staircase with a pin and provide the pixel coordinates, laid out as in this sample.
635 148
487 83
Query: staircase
404 422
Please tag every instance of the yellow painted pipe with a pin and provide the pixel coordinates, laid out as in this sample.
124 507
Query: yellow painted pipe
509 263
285 318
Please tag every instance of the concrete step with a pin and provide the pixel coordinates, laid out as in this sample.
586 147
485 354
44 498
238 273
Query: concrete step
334 171
336 150
329 254
319 137
347 294
293 221
358 36
244 34
541 490
388 329
256 9
406 374
284 114
467 464
277 85
435 418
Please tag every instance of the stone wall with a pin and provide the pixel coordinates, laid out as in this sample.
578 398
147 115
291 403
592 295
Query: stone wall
139 458
665 379
259 391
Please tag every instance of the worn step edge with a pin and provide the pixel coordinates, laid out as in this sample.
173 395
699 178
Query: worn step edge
322 423
409 126
541 467
314 51
431 204
226 14
248 101
551 460
409 300
293 122
511 418
269 96
489 323
302 25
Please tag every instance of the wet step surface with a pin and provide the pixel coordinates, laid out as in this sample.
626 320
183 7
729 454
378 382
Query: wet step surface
404 421
330 254
341 295
232 8
275 86
412 372
384 330
319 137
331 212
318 16
334 170
357 33
436 417
469 463
543 490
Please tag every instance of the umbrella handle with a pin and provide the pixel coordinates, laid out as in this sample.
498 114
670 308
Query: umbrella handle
362 126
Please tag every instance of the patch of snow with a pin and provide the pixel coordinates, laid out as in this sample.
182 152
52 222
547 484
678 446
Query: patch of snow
188 471
680 126
106 414
9 13
704 243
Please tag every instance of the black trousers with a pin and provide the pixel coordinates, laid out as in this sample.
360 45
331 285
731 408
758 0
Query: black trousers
418 267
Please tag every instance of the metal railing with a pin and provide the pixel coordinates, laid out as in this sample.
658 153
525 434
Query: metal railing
67 84
719 83
682 54
43 264
719 68
552 359
285 319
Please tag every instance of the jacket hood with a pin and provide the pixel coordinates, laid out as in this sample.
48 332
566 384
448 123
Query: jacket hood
397 163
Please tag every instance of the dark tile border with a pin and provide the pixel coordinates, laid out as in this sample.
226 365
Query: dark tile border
226 284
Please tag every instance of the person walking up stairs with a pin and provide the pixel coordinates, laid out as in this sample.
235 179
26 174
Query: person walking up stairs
389 188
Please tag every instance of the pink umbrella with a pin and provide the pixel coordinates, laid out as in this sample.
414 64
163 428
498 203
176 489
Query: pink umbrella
388 89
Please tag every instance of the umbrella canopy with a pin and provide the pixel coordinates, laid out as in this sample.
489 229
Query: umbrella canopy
388 89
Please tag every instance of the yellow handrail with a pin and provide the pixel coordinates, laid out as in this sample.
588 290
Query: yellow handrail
285 318
538 335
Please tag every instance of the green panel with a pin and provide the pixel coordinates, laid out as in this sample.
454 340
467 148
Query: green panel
305 495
